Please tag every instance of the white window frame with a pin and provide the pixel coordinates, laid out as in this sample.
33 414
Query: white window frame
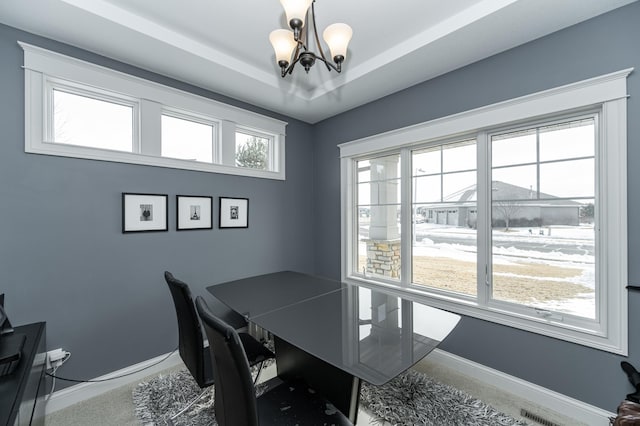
607 94
44 69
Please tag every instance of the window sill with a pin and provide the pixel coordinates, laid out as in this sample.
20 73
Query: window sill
493 313
74 151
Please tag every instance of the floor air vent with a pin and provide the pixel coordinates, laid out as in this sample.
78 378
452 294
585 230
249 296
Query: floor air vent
536 418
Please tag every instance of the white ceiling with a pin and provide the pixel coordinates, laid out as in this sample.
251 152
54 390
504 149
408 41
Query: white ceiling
224 47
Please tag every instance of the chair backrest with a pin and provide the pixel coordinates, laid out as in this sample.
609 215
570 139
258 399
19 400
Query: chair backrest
191 344
235 396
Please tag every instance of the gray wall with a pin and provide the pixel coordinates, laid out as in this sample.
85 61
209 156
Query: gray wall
64 260
605 44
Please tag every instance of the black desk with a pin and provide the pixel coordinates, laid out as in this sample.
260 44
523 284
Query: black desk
334 334
22 392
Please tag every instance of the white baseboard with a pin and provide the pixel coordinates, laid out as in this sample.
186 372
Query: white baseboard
83 391
538 395
554 401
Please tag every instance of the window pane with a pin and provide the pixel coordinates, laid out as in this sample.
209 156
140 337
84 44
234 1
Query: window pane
364 194
459 157
444 250
543 241
426 161
426 189
84 121
567 140
364 171
518 182
444 228
456 185
545 258
186 139
376 192
378 217
252 151
513 148
568 178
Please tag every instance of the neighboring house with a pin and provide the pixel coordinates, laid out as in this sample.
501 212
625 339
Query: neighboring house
517 205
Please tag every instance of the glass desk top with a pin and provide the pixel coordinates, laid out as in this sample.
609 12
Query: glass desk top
258 295
368 333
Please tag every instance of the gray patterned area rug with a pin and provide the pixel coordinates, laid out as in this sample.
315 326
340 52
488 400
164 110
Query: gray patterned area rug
410 399
413 398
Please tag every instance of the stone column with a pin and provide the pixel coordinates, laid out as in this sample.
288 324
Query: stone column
383 258
383 245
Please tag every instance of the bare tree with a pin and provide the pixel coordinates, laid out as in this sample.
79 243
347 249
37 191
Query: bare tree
508 210
587 213
60 119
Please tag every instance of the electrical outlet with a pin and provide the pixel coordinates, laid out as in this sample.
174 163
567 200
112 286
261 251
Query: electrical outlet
55 357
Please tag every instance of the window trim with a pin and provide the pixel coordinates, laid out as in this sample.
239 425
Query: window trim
607 93
42 65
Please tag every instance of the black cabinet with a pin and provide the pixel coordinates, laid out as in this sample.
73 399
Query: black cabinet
22 392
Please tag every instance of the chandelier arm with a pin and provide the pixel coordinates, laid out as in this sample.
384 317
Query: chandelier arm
289 70
296 58
328 64
315 32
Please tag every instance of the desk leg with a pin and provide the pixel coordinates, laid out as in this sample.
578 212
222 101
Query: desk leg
339 387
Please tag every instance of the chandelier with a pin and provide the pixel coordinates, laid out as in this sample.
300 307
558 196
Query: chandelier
292 47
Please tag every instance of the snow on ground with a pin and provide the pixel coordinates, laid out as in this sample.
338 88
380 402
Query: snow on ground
582 237
550 234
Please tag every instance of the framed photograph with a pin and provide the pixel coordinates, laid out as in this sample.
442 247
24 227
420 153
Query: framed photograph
234 212
144 212
194 212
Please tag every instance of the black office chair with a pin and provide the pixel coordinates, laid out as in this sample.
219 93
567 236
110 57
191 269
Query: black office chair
191 344
235 401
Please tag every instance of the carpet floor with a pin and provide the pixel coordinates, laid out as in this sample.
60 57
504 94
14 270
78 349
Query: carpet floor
116 406
410 399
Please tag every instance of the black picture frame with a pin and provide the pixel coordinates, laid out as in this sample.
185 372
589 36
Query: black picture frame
144 212
233 212
194 212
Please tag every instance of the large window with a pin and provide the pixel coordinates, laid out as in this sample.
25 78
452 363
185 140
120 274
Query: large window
542 217
77 109
521 220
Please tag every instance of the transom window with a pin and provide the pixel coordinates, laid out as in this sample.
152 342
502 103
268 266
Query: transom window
253 151
92 121
520 221
77 109
188 139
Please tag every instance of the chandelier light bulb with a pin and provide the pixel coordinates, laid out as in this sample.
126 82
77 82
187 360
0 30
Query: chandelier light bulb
283 44
296 11
337 37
